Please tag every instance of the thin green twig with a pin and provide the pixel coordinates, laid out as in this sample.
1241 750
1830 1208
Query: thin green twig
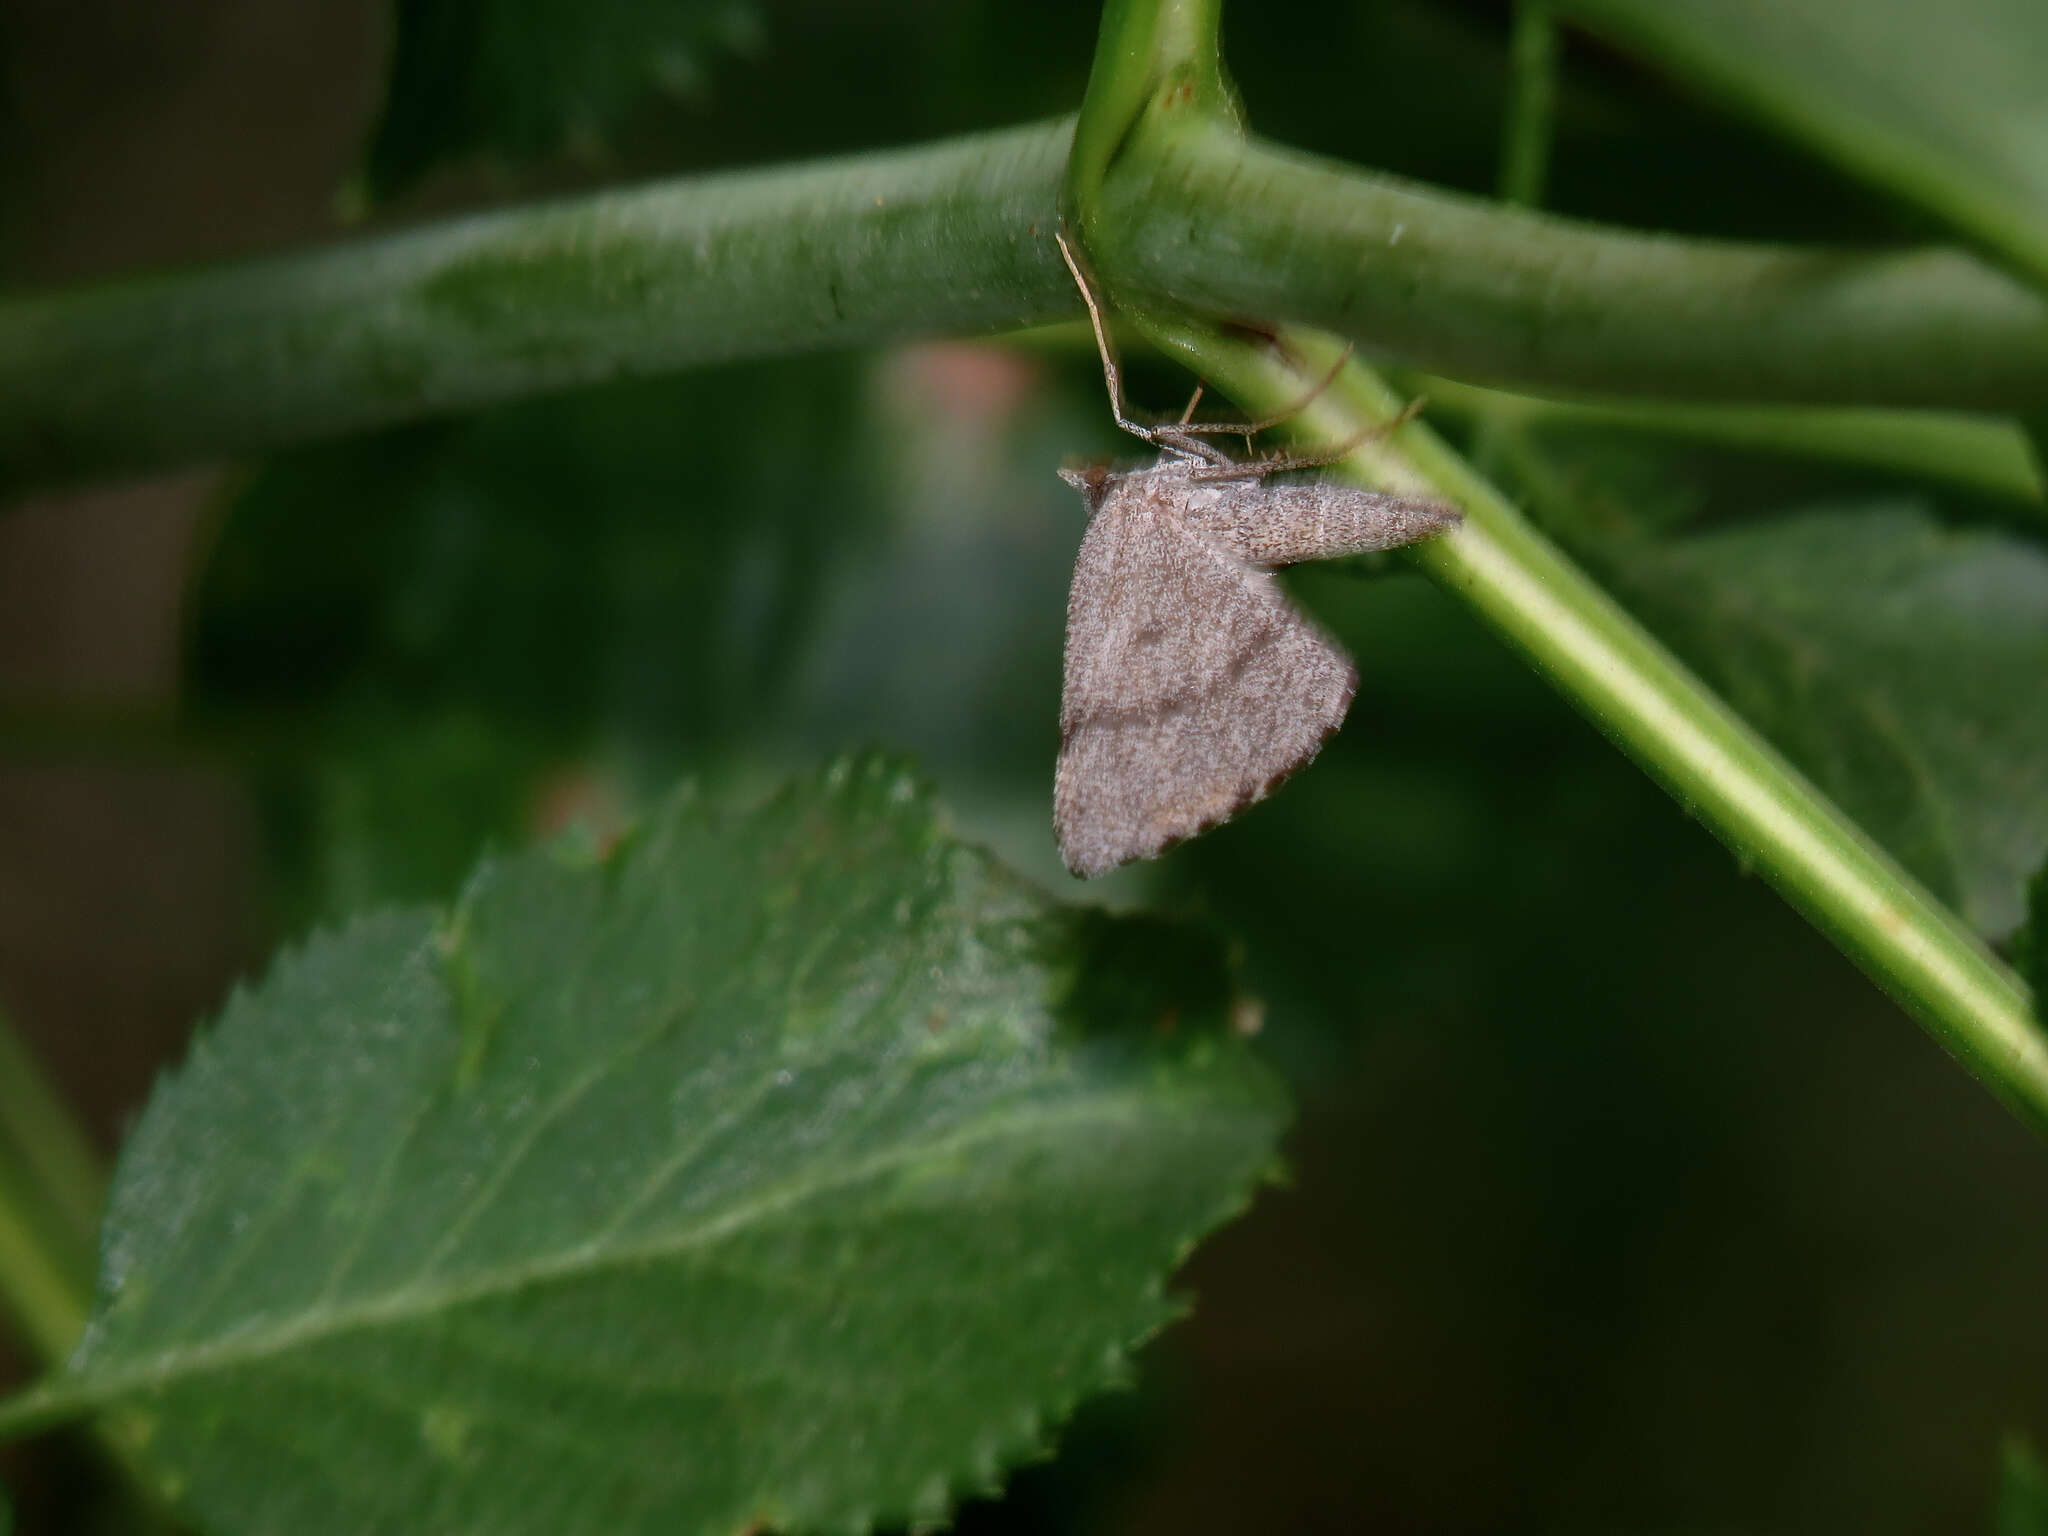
1532 93
50 1190
1526 128
47 1140
1654 709
43 1286
1986 455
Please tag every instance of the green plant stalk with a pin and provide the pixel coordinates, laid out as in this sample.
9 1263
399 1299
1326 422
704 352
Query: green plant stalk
1655 710
1142 51
242 357
48 1142
51 1186
1988 455
40 1281
1524 155
1981 453
1211 222
954 239
1532 95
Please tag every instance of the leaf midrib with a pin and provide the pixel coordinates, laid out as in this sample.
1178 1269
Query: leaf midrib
81 1390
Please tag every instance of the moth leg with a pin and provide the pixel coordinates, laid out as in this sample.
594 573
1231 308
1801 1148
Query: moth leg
1280 465
1246 429
1111 375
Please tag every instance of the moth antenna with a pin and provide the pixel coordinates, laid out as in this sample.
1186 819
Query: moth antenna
1110 374
1194 400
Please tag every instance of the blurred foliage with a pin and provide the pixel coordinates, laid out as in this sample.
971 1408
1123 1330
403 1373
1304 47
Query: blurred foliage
1901 664
440 621
1939 106
1904 666
2032 956
2022 1491
521 82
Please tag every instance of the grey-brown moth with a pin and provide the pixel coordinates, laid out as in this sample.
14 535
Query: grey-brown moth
1193 685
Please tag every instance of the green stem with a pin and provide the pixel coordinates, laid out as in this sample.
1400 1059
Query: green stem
952 238
956 239
1524 157
1145 49
1655 710
1988 455
50 1189
48 1142
42 1283
1532 92
1210 222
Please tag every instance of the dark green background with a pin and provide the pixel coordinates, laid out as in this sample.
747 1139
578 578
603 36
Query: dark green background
1620 1201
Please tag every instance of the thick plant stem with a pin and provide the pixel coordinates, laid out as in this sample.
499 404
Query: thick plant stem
956 239
248 356
1652 707
1205 220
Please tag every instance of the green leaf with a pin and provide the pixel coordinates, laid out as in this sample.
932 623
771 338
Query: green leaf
521 82
1939 104
1902 665
797 1168
2022 1491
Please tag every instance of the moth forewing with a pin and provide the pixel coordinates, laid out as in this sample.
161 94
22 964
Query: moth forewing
1193 686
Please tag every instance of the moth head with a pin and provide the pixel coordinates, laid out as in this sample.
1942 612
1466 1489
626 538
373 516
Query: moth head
1092 481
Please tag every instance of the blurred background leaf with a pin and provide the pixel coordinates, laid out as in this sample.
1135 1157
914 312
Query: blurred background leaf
1903 665
1937 105
2022 1491
434 625
518 83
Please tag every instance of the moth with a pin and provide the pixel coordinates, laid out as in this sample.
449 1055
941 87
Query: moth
1193 686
